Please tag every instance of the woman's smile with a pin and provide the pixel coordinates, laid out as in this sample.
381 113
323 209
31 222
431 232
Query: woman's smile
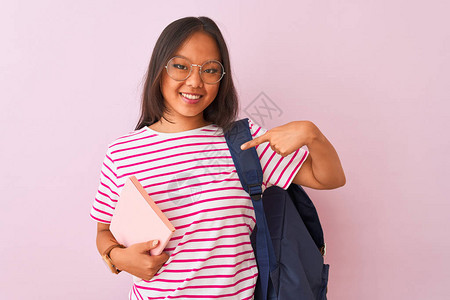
190 98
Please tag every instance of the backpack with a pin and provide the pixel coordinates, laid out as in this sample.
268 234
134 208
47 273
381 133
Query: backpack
288 238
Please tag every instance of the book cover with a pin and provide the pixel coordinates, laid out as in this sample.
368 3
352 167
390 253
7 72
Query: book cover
138 219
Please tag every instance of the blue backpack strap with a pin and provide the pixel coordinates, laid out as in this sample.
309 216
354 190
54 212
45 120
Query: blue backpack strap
250 174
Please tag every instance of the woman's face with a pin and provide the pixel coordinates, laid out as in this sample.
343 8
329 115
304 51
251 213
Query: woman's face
198 48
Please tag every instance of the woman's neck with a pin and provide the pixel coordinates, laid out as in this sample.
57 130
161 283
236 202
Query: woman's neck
163 125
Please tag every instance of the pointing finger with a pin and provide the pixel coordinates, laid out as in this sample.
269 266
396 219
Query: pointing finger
256 141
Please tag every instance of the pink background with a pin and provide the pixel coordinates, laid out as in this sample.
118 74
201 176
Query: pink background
372 75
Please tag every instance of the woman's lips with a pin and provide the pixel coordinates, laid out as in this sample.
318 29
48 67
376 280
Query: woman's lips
190 101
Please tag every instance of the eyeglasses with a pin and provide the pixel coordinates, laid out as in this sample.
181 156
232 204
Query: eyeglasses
180 68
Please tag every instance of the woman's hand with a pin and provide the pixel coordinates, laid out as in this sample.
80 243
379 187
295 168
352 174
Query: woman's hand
287 138
322 168
137 260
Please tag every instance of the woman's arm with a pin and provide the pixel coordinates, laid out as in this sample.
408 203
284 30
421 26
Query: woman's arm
135 259
322 169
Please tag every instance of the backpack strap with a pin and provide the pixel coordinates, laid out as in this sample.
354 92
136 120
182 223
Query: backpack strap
248 167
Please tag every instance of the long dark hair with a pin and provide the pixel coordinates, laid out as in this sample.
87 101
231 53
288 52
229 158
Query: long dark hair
223 110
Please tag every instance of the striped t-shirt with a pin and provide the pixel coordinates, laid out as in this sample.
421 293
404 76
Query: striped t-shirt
191 177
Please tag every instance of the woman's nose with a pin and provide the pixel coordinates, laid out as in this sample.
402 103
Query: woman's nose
195 80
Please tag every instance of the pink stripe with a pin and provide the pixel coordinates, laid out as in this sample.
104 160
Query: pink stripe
175 164
265 149
170 148
207 220
107 196
133 140
268 162
210 249
203 277
174 155
206 267
190 177
176 172
100 220
112 181
260 158
202 201
172 240
114 173
107 186
210 296
256 132
132 133
251 125
133 291
211 257
189 186
207 229
218 286
287 165
103 203
197 202
136 292
209 130
204 286
225 236
168 140
274 169
158 290
217 219
218 228
201 192
209 239
295 170
101 211
211 229
192 160
109 158
210 210
143 131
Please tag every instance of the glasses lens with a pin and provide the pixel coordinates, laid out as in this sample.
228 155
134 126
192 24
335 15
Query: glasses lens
178 68
212 72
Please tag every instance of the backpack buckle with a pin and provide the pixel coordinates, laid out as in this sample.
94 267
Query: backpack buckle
255 191
256 197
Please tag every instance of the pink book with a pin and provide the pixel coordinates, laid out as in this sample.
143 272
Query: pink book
138 219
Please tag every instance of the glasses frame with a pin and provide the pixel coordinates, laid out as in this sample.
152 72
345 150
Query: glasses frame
199 71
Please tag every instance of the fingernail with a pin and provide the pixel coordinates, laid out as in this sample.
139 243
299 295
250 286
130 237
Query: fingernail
155 242
242 147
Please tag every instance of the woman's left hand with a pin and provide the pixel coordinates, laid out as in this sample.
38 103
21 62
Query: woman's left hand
322 169
287 138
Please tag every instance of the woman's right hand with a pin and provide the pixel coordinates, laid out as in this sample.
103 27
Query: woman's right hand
137 259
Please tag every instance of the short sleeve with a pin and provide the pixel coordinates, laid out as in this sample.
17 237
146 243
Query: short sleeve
277 170
107 194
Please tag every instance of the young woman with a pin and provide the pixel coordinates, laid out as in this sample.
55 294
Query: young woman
179 154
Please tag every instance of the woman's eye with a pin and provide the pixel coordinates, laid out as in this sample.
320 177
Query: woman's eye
211 71
178 66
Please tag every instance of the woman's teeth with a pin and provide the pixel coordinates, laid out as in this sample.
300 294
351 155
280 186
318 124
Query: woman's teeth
192 97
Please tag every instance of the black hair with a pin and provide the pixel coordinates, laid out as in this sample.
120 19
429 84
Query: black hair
223 110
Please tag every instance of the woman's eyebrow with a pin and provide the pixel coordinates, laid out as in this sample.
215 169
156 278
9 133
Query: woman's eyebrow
176 54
